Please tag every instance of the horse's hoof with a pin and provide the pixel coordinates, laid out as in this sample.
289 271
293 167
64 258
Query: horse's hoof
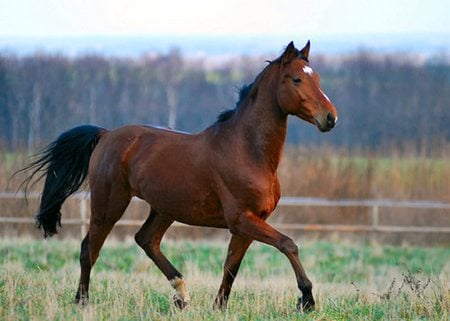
219 307
306 304
220 303
82 300
179 302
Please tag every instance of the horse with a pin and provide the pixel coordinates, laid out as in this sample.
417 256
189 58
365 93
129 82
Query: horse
224 176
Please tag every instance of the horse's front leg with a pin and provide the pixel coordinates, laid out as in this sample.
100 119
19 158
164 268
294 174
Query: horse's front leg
236 251
249 225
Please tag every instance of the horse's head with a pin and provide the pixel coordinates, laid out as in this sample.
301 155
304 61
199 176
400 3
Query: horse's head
299 91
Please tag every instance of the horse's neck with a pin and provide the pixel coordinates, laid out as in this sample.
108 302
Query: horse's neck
261 125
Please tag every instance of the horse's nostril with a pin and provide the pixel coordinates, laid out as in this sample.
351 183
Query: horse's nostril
331 121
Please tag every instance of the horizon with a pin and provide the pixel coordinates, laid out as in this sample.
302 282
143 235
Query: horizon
424 44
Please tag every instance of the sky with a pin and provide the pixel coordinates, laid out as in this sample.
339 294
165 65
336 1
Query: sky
63 18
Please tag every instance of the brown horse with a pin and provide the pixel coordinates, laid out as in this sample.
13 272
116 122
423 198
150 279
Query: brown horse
224 176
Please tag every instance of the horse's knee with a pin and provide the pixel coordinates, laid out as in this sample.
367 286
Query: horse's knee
142 239
151 248
138 238
288 246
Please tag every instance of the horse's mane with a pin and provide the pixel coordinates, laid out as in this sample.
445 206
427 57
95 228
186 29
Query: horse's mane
227 114
245 91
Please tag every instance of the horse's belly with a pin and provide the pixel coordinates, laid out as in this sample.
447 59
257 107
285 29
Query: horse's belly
199 213
190 207
203 219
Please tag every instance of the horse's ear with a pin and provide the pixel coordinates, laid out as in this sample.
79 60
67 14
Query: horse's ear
290 53
304 53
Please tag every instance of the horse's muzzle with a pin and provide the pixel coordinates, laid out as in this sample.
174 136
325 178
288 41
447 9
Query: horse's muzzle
326 124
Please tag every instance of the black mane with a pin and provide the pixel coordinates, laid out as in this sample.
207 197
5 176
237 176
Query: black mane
227 114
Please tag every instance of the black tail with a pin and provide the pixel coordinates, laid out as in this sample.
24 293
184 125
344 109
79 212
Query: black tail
65 164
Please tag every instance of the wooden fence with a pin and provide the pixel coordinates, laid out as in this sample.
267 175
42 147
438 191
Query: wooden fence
373 204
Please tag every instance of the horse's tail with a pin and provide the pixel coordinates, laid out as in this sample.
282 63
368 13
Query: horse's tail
65 163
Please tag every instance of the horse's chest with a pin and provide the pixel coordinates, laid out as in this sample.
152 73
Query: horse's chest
258 193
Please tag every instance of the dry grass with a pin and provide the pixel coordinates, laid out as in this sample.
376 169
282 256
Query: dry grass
331 173
324 172
338 174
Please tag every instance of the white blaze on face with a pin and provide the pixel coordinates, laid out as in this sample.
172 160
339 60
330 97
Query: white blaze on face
326 97
308 70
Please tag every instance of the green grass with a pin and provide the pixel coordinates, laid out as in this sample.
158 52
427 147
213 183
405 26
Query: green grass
351 282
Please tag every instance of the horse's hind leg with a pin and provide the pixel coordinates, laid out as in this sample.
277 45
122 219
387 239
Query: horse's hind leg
107 207
149 239
236 251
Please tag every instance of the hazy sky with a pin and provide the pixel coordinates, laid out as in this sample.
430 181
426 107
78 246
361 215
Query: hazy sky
225 17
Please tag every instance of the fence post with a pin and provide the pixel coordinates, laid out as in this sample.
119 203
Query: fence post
83 212
375 218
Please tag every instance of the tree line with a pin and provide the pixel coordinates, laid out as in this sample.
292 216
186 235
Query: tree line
382 100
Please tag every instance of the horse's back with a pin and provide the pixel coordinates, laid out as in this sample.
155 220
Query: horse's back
120 147
162 166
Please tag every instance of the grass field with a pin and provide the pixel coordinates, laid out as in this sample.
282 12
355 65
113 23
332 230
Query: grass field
352 282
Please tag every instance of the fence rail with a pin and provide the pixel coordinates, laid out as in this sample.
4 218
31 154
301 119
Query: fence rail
373 204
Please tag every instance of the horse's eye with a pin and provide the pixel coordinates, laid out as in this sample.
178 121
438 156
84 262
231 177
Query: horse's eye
296 80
